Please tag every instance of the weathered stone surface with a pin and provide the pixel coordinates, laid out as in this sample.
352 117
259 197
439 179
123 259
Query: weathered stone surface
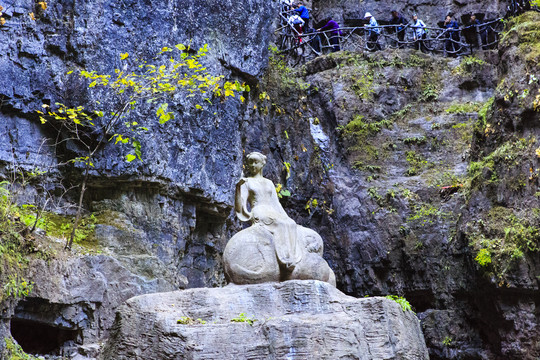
431 11
389 228
295 320
186 162
81 294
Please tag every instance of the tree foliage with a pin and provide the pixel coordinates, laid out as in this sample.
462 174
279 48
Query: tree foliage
172 75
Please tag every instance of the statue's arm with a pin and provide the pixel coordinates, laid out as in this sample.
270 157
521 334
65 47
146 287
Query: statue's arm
240 201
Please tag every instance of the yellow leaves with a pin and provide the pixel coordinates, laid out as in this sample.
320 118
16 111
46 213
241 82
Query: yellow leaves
165 49
32 16
163 115
82 159
281 191
229 88
192 64
2 21
311 204
536 102
287 167
43 5
538 152
303 148
177 72
120 138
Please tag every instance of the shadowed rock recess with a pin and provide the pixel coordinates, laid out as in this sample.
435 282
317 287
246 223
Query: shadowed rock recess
419 172
294 319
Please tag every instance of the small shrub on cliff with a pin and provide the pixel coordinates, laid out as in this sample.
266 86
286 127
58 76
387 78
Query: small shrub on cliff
405 305
17 287
447 341
524 30
416 163
242 318
185 320
483 258
502 236
469 64
464 108
13 351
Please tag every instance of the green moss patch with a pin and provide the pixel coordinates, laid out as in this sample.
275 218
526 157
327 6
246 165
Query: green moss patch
502 236
525 31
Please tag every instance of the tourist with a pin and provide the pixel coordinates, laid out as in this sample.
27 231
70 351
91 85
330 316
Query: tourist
478 28
452 36
334 34
400 22
419 33
297 22
304 14
374 31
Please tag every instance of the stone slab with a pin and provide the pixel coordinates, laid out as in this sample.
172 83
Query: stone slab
295 320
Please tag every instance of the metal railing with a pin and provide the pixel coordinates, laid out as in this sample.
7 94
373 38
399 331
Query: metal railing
300 46
450 42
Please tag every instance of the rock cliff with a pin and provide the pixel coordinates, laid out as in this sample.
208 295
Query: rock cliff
419 172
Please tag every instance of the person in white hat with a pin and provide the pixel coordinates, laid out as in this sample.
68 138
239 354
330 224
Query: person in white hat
374 31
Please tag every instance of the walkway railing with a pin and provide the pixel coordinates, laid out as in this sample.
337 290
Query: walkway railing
302 46
438 40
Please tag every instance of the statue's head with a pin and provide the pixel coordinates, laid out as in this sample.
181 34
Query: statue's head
255 161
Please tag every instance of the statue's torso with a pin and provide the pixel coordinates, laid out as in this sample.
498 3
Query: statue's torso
263 200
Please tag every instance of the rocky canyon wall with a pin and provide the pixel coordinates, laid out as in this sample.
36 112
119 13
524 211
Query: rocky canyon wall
408 165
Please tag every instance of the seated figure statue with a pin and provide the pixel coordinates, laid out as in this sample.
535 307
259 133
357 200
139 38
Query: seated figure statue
274 247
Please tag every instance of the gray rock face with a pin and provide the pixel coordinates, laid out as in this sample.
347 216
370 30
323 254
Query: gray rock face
295 320
430 11
190 165
79 295
176 204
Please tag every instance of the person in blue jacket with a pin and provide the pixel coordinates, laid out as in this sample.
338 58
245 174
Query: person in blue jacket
419 33
304 14
452 36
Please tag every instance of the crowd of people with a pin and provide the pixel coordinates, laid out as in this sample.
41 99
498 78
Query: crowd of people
328 31
475 32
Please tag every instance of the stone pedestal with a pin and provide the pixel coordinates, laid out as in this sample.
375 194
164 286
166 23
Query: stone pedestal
294 320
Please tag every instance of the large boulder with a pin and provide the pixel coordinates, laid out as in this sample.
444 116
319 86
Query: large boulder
294 320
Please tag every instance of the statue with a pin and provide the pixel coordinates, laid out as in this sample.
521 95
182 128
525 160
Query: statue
274 247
